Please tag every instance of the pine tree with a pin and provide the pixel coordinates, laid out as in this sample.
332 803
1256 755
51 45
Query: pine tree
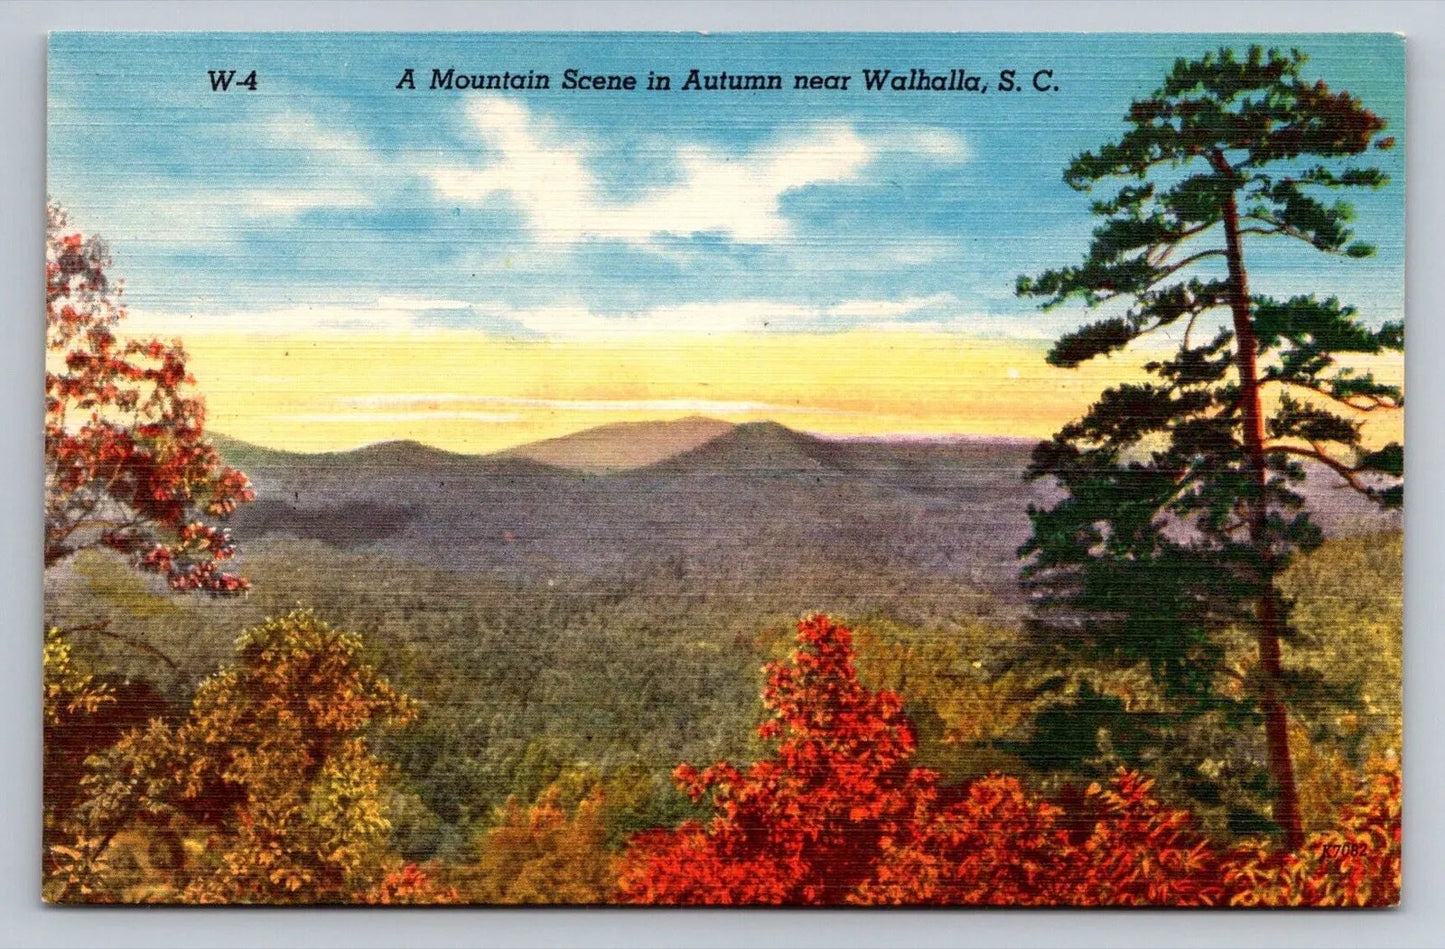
1181 494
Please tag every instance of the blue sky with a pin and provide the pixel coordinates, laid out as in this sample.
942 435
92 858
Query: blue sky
330 199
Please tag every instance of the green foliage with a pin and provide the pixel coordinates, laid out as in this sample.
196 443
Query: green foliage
436 634
968 705
1182 501
963 704
271 768
74 701
517 681
1348 598
1345 665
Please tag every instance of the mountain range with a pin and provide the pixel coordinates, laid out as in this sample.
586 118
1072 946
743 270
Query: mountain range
696 496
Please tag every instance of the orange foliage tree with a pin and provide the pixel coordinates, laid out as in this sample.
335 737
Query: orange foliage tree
997 844
1356 864
837 815
127 465
409 886
269 778
806 825
547 852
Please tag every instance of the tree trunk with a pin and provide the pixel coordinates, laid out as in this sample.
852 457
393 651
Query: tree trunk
1267 613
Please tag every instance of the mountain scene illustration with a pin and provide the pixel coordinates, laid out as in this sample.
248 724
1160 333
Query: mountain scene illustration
703 496
475 489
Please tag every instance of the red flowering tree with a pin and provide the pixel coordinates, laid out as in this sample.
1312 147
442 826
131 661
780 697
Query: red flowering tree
806 825
997 844
836 815
994 845
127 465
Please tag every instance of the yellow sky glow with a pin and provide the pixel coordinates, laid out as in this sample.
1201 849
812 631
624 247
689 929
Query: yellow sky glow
470 393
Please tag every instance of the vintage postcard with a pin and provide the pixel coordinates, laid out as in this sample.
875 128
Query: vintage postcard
751 469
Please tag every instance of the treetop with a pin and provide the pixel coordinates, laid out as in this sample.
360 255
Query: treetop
1218 104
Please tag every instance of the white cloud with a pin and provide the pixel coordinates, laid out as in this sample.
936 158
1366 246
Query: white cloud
730 316
335 168
385 314
395 314
316 162
288 202
941 145
880 309
529 162
415 304
568 321
324 168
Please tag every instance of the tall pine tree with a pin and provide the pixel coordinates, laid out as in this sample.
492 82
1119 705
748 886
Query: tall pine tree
1181 499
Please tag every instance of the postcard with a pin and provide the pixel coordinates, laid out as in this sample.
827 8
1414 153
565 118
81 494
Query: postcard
744 469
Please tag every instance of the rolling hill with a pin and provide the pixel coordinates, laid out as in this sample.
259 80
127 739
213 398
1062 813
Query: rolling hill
622 445
696 497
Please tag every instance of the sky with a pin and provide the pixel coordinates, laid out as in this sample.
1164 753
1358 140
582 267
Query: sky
348 261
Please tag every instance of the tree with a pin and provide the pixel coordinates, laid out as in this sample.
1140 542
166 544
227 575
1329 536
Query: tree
409 886
271 768
127 465
1357 863
554 851
85 713
837 814
996 844
1181 503
806 824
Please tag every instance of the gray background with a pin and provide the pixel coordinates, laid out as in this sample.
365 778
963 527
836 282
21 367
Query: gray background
24 921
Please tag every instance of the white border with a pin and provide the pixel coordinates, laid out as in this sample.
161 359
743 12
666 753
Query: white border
26 922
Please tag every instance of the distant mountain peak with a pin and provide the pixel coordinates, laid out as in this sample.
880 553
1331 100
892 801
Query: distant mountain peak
764 446
390 454
622 446
404 452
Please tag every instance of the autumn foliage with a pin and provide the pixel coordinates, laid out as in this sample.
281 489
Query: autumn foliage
1356 864
409 886
266 792
809 824
548 852
127 465
1188 618
837 815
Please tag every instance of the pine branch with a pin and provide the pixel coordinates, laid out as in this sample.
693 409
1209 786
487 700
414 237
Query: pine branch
1179 238
1315 453
1373 402
1191 259
1260 230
